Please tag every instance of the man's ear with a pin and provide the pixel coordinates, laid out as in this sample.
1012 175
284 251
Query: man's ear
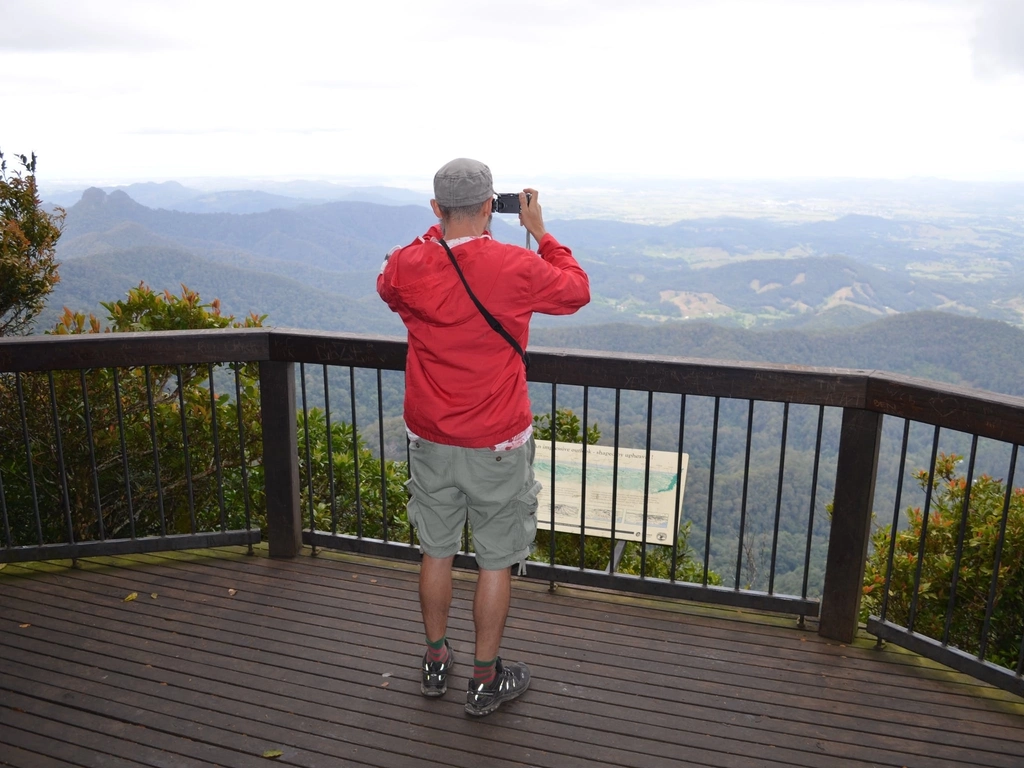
437 210
487 207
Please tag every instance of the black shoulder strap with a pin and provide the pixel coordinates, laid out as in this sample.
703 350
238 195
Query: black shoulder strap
491 321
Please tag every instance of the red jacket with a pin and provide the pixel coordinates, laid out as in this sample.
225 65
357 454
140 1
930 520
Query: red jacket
464 384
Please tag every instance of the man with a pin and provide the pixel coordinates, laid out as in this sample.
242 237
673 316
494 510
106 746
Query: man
467 409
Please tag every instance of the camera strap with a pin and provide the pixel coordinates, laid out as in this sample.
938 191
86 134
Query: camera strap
491 321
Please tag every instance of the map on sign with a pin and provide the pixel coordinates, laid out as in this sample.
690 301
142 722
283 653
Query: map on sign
664 491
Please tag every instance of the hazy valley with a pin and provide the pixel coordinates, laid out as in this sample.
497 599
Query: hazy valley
730 287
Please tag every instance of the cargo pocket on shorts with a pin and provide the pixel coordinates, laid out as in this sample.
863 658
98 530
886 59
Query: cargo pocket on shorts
411 504
526 526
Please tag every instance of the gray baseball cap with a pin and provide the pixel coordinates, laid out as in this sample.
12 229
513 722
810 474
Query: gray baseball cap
463 182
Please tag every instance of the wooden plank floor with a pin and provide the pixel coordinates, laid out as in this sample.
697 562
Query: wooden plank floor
317 658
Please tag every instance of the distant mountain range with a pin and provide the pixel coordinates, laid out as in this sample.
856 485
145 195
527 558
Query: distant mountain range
174 196
315 265
987 354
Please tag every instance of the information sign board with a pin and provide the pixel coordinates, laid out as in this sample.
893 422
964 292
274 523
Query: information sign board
664 479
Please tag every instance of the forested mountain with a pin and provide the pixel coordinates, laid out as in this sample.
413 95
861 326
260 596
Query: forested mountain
343 236
315 267
85 282
266 196
987 354
735 271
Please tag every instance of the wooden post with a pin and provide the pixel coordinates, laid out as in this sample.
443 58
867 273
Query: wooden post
281 458
851 524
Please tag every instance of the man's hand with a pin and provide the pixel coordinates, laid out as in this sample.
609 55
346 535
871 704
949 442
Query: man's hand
530 214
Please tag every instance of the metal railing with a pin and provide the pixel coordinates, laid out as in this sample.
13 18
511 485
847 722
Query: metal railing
768 447
110 451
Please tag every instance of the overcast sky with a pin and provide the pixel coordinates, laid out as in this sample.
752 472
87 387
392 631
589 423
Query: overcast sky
121 90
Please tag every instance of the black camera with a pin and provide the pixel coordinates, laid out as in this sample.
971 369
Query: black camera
507 202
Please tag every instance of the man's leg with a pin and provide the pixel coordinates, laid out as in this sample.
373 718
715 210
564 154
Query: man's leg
494 681
435 600
490 609
436 595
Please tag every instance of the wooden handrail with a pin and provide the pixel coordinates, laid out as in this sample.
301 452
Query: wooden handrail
122 350
986 414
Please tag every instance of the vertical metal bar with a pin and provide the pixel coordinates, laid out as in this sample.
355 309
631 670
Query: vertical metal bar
355 453
895 520
814 496
551 532
612 563
3 513
711 493
330 453
28 456
309 466
243 463
679 488
994 585
778 498
743 498
924 532
383 461
61 469
216 452
92 454
156 451
1020 659
583 481
124 453
647 486
187 453
965 513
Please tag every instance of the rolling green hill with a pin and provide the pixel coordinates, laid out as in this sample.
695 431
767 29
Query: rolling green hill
737 272
943 347
87 281
345 236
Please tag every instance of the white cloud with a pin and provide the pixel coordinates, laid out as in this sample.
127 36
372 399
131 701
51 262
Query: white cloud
695 88
999 38
83 25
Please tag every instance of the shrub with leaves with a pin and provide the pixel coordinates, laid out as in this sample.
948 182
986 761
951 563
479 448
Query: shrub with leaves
377 511
988 515
125 466
28 240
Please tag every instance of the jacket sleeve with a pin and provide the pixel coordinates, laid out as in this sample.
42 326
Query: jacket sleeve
558 283
389 269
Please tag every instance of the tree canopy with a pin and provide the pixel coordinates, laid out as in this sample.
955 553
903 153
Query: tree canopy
28 239
960 545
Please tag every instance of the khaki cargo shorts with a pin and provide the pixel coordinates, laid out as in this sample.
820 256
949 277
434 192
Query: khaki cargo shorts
495 490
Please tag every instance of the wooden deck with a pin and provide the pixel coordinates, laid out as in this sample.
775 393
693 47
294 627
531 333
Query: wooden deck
223 657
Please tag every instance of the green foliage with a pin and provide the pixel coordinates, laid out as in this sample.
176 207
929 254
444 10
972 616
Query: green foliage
186 494
974 578
926 344
567 428
146 310
378 510
28 239
125 483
